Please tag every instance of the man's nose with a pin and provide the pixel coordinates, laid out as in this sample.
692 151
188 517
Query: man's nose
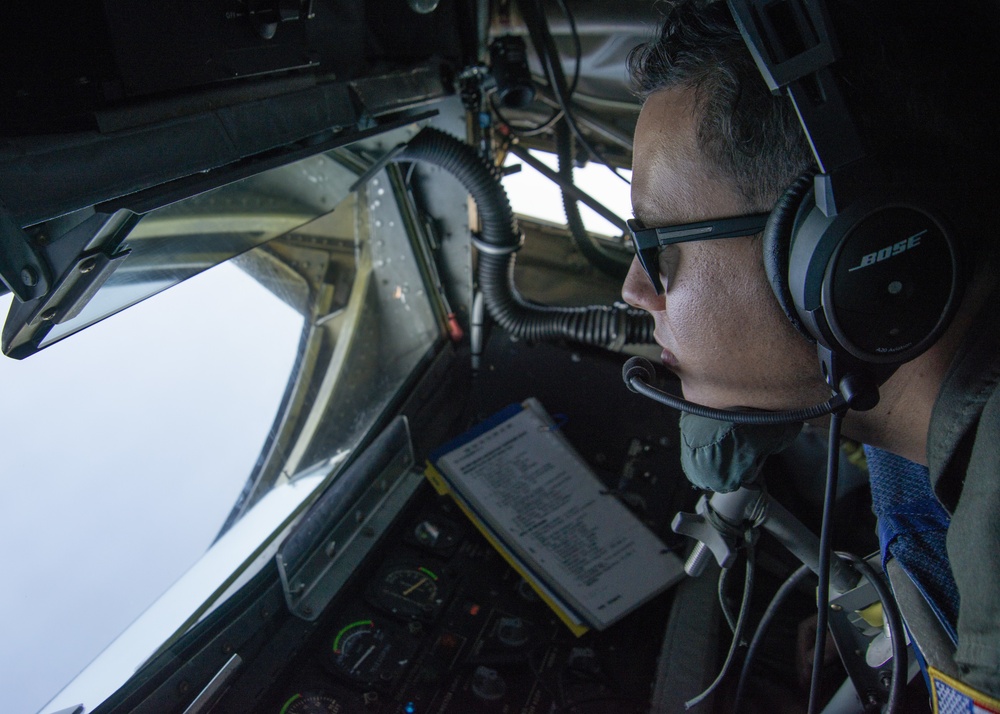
638 291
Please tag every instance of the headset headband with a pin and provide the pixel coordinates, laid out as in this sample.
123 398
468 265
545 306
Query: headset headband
865 264
793 44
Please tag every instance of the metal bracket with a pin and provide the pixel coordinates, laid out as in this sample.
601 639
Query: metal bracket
864 648
794 44
377 166
333 538
760 510
789 39
83 258
22 270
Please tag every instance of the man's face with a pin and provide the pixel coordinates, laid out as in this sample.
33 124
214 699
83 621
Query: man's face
719 324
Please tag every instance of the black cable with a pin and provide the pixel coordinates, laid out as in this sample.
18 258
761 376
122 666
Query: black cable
777 601
525 131
638 383
615 266
741 621
541 37
558 114
726 612
577 46
825 538
897 633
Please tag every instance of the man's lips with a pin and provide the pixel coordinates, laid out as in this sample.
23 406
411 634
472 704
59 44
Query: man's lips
669 359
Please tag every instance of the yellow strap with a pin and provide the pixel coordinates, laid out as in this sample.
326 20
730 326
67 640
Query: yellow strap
873 615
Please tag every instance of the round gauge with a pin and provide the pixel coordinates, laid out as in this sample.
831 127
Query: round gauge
364 653
412 592
318 703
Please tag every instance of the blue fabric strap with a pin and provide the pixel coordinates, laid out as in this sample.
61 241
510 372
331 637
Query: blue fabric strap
912 526
909 518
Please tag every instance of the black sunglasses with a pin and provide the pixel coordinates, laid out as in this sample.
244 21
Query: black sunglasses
648 241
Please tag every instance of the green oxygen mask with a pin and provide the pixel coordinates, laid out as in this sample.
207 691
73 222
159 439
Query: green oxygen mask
721 456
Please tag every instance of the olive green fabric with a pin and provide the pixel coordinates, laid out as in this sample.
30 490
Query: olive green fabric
721 457
963 451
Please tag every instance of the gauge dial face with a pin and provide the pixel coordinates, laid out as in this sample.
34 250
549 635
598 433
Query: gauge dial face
410 592
364 653
317 703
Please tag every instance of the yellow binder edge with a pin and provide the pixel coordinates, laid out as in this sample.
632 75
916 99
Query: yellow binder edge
441 485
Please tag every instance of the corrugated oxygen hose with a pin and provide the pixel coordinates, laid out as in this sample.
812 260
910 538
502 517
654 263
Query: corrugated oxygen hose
608 326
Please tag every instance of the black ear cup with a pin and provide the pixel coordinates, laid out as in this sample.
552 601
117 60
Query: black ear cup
777 241
877 282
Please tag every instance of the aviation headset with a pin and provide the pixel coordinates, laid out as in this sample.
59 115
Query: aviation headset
868 268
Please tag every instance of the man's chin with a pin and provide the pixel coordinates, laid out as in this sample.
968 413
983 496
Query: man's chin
724 399
716 399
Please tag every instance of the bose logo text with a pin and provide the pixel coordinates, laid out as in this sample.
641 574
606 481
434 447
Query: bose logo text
889 251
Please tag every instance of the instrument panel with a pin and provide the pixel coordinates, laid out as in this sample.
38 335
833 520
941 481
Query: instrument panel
440 623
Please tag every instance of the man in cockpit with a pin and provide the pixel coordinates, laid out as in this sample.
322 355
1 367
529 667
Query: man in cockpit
712 142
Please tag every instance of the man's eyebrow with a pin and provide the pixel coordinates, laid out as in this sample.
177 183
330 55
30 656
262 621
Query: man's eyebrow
642 217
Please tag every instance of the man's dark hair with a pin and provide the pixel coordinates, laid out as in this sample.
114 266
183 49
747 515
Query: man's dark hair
753 138
919 76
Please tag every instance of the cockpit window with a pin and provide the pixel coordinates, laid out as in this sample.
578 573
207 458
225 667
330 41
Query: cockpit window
128 449
155 459
534 196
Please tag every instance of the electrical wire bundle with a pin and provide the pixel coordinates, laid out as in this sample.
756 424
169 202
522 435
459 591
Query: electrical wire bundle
890 611
739 628
557 113
548 54
561 122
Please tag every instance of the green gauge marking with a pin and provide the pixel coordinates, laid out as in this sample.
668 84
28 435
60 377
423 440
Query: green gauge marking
346 629
284 709
428 573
